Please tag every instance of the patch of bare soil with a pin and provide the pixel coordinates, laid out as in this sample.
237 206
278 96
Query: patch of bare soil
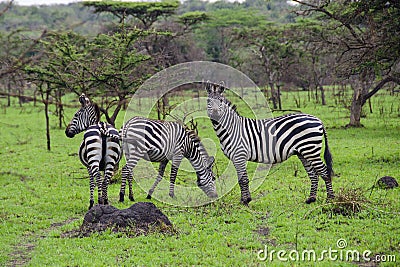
141 218
21 252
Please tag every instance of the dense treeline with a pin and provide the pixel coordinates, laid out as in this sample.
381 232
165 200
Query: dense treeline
108 48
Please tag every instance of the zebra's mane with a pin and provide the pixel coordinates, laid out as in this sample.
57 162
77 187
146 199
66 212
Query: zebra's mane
97 111
232 106
196 139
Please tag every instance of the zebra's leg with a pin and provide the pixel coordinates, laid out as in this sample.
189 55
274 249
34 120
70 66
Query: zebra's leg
91 184
127 173
176 161
321 169
124 173
243 180
108 173
313 177
99 183
160 175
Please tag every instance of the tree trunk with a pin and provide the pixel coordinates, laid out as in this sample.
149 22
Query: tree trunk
165 105
45 99
355 110
60 109
8 96
273 96
361 95
323 101
278 96
159 109
360 89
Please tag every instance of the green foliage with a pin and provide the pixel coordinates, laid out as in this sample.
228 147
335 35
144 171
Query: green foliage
146 12
194 17
363 32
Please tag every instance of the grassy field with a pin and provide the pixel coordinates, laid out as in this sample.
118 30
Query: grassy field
45 194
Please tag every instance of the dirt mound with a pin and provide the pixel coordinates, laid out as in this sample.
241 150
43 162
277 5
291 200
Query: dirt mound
387 182
140 218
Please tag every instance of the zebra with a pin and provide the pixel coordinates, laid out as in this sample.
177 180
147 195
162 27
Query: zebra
164 141
269 141
100 149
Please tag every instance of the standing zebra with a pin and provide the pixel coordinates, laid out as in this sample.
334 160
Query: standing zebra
269 141
100 149
162 141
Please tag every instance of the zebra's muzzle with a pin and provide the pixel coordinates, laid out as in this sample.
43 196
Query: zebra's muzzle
212 195
68 133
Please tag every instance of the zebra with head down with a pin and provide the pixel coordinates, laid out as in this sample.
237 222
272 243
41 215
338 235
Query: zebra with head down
163 141
100 149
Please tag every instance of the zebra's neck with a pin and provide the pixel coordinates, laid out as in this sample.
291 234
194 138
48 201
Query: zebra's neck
228 121
196 153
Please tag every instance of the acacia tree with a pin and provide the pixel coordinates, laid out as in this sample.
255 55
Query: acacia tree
104 65
159 17
166 45
145 12
365 35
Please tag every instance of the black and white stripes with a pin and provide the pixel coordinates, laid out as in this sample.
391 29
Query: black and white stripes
163 141
100 149
269 141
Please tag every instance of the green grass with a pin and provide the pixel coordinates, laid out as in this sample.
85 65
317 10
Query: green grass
45 194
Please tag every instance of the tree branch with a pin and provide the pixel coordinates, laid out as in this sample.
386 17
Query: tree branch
379 86
332 16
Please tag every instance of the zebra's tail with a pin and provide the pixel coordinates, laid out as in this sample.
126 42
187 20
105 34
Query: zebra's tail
109 131
328 155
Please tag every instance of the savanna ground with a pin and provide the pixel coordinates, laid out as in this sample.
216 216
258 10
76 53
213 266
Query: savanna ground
45 194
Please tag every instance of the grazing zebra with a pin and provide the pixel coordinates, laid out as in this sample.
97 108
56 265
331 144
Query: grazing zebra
162 141
100 149
269 141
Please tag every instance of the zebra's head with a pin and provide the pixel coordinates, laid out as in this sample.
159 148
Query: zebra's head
216 103
87 115
206 180
197 154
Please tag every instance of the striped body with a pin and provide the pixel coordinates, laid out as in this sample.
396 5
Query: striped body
163 141
100 149
269 141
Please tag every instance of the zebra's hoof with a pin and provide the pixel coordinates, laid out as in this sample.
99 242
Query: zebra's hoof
91 204
311 200
148 196
131 198
246 201
172 195
105 202
121 197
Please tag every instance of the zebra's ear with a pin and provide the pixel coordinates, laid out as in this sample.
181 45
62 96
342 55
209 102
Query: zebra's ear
220 88
97 110
209 87
210 162
84 100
